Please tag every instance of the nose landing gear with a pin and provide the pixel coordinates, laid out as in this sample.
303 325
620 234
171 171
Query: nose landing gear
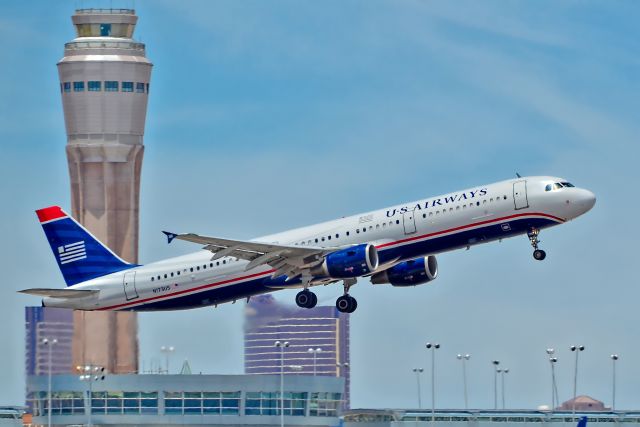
538 254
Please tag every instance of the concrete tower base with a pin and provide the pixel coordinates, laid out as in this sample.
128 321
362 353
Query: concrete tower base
105 188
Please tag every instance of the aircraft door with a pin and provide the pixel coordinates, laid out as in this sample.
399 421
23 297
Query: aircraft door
520 199
409 221
129 282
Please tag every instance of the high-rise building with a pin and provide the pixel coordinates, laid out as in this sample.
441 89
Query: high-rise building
306 331
104 82
52 324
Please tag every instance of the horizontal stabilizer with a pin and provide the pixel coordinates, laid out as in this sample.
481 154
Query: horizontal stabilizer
60 293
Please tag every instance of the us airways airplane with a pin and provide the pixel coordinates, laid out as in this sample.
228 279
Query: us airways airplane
395 246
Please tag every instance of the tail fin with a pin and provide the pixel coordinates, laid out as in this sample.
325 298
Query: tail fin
80 256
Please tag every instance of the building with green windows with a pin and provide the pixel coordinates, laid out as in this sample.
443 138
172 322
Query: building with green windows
127 400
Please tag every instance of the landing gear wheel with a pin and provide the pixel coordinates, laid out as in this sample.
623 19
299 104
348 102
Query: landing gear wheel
306 299
346 304
539 254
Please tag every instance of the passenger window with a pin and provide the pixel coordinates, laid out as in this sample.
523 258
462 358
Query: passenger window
337 236
458 207
152 279
322 239
172 274
158 277
178 273
397 221
165 276
484 201
358 230
437 213
430 213
377 226
477 203
204 267
224 261
198 268
191 269
217 262
364 229
211 265
505 197
347 233
384 225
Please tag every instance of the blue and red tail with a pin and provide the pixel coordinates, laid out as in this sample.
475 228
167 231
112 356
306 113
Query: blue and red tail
79 254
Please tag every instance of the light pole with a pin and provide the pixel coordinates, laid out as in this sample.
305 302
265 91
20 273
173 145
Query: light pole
49 343
554 388
418 371
339 366
502 373
495 383
614 358
281 346
464 358
91 373
167 350
314 352
433 348
577 350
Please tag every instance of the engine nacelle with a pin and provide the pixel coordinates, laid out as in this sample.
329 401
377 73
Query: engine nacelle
408 273
348 263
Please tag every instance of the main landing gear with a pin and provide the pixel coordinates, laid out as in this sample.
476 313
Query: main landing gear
538 254
346 303
306 299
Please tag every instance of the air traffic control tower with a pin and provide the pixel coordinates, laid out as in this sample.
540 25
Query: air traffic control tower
104 82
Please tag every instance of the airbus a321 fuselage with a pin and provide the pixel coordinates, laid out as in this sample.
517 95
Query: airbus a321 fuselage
395 245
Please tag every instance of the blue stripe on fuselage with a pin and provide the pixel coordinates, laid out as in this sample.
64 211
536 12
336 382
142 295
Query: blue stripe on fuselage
406 251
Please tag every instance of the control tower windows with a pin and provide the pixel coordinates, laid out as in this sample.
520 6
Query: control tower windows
147 87
78 86
95 86
127 86
67 86
110 86
140 87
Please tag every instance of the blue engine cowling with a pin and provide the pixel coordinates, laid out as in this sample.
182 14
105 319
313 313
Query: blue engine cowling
348 263
408 273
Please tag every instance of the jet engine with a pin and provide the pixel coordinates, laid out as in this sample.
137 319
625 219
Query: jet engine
348 263
408 273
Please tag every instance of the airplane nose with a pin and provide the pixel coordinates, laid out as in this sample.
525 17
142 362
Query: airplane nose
588 200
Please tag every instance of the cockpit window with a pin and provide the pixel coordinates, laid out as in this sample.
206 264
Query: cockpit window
557 186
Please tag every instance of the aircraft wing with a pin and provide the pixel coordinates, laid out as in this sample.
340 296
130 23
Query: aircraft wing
291 261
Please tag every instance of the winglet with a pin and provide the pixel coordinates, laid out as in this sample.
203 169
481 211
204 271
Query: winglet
170 236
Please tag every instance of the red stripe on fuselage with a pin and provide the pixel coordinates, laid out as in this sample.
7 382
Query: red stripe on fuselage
464 227
424 236
210 285
50 213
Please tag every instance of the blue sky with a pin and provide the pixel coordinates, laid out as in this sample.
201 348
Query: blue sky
265 116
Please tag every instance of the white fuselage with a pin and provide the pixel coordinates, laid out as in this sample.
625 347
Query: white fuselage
403 232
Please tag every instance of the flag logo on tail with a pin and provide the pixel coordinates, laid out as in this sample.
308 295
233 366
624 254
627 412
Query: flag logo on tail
72 252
